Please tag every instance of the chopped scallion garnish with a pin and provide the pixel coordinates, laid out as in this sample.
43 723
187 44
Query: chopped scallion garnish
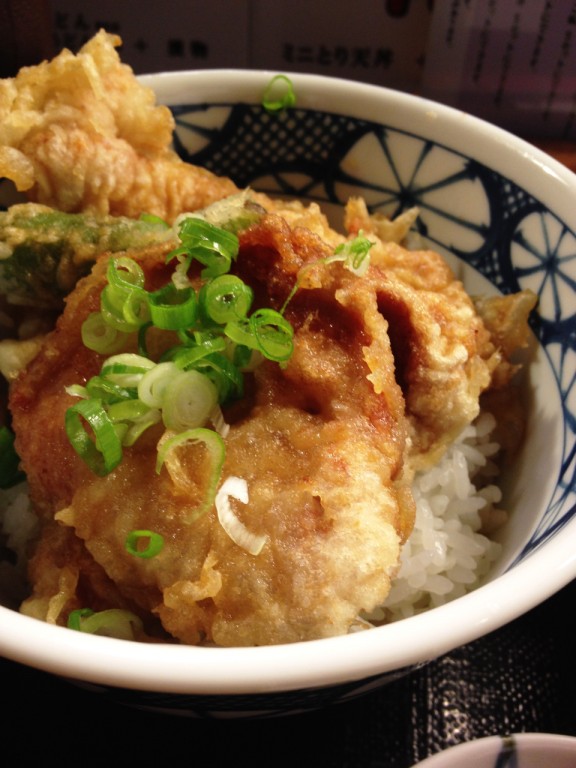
10 473
279 94
144 544
273 333
173 309
103 450
354 253
217 340
169 456
114 622
236 488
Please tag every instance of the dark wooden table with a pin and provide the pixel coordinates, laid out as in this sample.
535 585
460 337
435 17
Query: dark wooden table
521 678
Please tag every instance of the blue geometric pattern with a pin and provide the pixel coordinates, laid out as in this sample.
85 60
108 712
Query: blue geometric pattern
501 230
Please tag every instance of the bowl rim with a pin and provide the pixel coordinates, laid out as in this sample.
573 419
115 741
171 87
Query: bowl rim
314 90
303 665
528 744
358 656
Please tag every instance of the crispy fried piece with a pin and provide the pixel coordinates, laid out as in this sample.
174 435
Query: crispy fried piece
444 358
320 443
449 349
387 369
357 217
80 133
507 319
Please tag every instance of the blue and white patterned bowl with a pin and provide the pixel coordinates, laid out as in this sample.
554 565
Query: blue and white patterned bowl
504 214
521 750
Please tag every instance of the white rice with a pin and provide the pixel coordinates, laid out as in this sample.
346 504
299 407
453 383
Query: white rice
18 526
445 557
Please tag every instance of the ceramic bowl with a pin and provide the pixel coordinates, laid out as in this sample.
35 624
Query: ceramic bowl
503 213
521 750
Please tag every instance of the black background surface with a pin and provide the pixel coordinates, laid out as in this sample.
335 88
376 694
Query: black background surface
520 678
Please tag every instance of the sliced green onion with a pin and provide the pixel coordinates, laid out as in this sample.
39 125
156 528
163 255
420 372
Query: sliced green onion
266 331
126 369
244 358
198 234
10 473
142 343
227 378
168 454
153 384
154 543
77 390
136 308
218 422
189 398
241 332
185 388
75 617
100 336
279 94
188 355
237 488
274 334
130 431
226 298
127 410
102 388
114 622
172 309
180 278
112 310
355 254
195 346
104 452
124 272
212 246
124 302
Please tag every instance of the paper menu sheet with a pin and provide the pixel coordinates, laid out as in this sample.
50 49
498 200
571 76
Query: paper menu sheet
157 37
512 62
375 41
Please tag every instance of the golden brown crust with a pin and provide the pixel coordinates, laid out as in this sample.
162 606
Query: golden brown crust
320 443
80 133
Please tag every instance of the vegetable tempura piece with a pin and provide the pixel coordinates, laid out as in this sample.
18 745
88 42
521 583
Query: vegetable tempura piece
80 133
43 252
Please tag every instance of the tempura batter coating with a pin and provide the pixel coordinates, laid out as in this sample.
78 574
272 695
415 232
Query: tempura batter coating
448 348
387 369
80 133
321 444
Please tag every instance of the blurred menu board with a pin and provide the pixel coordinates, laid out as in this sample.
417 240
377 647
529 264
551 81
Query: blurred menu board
512 63
160 36
376 41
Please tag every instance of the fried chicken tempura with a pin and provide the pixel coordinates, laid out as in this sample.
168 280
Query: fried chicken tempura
80 133
449 349
386 370
320 443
